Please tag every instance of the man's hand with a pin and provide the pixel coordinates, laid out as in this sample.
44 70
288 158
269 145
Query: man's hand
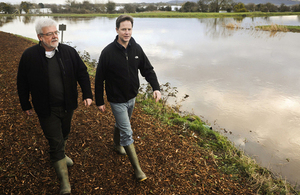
102 108
87 102
156 95
28 112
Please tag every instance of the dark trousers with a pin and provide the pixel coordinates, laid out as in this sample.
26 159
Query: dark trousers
56 129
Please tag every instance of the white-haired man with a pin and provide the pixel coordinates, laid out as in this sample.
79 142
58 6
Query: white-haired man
49 72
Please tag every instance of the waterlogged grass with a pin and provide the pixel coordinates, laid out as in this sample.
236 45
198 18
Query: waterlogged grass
293 28
229 159
173 14
279 28
273 28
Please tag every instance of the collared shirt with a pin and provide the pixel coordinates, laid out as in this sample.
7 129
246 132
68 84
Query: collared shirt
50 54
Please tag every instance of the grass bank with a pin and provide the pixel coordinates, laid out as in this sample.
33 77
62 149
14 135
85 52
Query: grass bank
172 14
30 39
230 159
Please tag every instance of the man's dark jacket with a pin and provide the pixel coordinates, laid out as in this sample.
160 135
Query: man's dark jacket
119 70
33 78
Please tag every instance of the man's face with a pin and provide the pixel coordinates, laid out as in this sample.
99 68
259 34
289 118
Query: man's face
124 32
49 38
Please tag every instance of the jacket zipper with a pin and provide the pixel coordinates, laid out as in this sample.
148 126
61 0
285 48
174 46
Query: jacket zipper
126 54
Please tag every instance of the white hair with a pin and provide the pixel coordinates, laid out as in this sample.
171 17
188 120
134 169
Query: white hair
44 22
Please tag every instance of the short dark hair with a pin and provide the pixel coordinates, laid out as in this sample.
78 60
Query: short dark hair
123 18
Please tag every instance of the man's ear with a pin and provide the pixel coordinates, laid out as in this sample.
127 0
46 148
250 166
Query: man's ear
39 37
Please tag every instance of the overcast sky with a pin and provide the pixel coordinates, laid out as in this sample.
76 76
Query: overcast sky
91 1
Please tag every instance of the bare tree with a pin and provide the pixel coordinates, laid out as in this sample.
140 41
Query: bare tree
129 8
203 5
190 7
25 6
217 5
271 7
284 8
6 8
251 7
110 7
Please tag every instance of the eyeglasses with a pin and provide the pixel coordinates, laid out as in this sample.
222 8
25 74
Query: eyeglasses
50 33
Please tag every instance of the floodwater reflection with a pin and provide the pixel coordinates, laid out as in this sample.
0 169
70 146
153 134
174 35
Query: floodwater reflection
242 80
215 27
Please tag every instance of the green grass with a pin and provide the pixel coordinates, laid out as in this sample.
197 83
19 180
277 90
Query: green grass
172 14
293 28
279 28
30 39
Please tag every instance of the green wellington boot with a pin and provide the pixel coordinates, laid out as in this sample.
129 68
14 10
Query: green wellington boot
61 170
117 146
68 159
139 174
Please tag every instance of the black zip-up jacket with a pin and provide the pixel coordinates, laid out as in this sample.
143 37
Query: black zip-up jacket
119 69
33 78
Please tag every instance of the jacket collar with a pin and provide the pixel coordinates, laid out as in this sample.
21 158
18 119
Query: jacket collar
131 42
49 54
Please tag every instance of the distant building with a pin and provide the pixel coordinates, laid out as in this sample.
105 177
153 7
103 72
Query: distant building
175 7
40 11
119 7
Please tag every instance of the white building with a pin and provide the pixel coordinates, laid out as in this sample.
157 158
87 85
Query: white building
175 7
40 11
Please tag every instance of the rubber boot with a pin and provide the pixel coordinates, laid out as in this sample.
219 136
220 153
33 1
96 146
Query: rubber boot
139 174
117 146
68 159
61 170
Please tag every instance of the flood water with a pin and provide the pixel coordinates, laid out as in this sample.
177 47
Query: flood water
243 82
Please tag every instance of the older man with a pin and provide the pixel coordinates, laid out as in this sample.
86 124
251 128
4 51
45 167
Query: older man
118 66
49 72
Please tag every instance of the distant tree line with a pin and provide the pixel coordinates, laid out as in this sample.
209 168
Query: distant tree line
109 7
71 6
6 8
229 6
25 6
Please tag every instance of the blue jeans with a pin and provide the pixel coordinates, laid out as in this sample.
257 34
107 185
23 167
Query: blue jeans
122 113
